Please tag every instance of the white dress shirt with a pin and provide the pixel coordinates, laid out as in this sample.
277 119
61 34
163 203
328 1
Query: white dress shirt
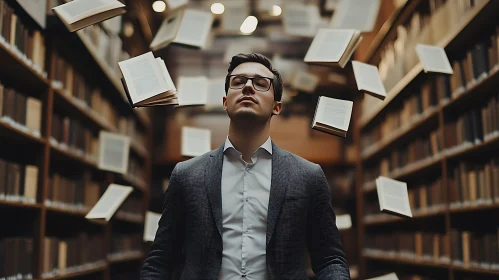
245 200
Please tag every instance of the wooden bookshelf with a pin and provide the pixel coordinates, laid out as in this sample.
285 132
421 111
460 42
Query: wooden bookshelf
443 162
21 76
457 34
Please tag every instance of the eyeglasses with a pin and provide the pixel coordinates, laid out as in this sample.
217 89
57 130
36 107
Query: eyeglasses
259 83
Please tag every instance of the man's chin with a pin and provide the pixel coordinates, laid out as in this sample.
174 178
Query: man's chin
245 114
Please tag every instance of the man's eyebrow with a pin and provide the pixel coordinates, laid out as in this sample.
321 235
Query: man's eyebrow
250 75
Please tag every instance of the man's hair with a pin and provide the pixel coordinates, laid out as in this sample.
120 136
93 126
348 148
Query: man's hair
258 58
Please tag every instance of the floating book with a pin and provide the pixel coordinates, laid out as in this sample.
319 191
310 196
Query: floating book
192 91
391 276
79 14
301 20
151 226
344 221
333 47
195 141
332 115
368 79
393 197
355 14
114 150
194 28
167 31
175 5
305 81
434 59
109 202
216 92
147 81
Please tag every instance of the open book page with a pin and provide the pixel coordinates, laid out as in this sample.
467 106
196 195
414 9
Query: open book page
368 79
329 45
36 9
109 202
434 59
301 20
167 31
216 92
151 226
344 221
143 77
195 141
114 150
192 90
236 11
166 74
77 10
175 4
394 196
305 81
356 14
333 112
391 276
195 28
331 5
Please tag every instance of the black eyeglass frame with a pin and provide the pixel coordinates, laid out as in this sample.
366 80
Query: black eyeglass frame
252 82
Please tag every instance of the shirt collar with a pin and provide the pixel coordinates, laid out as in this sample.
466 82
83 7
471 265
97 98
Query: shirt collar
266 146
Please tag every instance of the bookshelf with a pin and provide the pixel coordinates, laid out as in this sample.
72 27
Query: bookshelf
67 168
443 147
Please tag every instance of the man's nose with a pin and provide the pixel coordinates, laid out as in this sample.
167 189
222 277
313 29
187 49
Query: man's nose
248 87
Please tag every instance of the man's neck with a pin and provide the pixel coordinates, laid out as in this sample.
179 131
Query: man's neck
248 138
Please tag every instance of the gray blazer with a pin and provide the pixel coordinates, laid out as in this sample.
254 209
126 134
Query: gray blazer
300 216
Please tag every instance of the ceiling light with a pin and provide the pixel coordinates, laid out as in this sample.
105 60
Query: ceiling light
276 11
159 6
128 29
249 25
217 8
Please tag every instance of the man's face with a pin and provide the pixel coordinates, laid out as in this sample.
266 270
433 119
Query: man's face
246 102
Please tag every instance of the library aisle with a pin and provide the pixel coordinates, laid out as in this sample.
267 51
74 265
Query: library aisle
84 173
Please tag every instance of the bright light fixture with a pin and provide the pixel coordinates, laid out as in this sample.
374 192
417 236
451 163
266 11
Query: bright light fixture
159 6
249 25
217 8
128 29
276 11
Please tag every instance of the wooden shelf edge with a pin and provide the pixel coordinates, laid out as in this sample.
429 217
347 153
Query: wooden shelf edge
77 274
403 260
20 133
74 156
474 208
395 219
416 70
55 209
20 204
133 257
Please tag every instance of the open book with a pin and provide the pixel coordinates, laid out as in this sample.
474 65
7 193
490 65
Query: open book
434 59
147 81
344 221
305 81
368 79
393 197
355 14
333 47
332 115
151 226
195 141
114 150
175 5
79 14
109 202
167 31
391 276
301 20
194 28
192 91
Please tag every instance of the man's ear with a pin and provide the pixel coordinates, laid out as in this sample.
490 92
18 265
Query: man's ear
277 108
224 102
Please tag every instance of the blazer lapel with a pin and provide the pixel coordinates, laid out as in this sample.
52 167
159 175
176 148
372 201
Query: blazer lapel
213 177
278 187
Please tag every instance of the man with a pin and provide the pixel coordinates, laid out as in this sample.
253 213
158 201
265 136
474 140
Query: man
248 210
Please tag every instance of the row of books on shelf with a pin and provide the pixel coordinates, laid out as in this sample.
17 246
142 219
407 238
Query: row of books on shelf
122 244
20 111
424 27
16 255
18 182
474 184
72 254
26 43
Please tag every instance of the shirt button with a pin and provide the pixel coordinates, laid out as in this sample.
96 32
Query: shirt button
247 168
247 199
244 275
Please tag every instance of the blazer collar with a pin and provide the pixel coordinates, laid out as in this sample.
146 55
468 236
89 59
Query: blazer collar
278 186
